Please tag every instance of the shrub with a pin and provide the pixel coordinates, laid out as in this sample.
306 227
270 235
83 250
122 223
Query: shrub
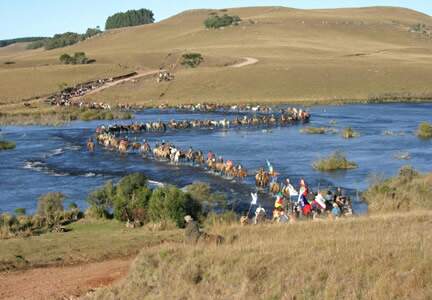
36 45
215 21
424 130
72 205
349 133
79 58
20 211
171 204
100 201
50 204
201 193
132 195
192 60
335 161
6 145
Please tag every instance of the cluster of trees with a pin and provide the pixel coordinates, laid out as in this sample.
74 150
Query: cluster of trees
215 21
79 58
4 43
130 18
64 39
132 200
192 60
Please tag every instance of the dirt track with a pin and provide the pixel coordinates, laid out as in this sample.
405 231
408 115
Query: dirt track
61 282
248 61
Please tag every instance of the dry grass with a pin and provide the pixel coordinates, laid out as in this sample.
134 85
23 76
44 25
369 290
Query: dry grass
379 257
304 55
407 191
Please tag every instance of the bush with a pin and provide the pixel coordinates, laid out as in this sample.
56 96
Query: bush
6 145
201 193
171 204
100 201
192 60
79 58
49 206
349 133
20 211
131 198
130 18
215 21
72 205
334 162
424 130
36 45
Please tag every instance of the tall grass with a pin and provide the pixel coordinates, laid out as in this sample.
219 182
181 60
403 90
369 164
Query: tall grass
424 130
381 257
314 130
335 161
407 191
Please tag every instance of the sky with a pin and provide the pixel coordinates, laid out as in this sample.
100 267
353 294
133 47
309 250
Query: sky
21 18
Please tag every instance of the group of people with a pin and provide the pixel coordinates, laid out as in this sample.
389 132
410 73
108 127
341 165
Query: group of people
291 204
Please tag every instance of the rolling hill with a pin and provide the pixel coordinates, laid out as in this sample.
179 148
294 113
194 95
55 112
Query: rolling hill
303 55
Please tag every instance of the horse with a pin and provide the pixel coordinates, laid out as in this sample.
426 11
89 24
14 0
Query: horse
90 145
262 179
274 188
123 146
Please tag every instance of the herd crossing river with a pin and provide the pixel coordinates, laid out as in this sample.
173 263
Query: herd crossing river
56 158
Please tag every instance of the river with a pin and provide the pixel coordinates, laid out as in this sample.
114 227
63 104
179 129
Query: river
55 159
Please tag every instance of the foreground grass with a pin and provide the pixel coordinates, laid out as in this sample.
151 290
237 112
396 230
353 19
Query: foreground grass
378 257
334 162
88 241
6 145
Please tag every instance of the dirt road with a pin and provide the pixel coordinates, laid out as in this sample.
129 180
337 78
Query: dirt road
61 282
247 62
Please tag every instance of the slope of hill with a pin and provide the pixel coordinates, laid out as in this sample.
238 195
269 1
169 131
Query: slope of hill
310 55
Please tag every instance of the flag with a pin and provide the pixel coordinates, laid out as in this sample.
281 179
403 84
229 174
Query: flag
270 167
254 199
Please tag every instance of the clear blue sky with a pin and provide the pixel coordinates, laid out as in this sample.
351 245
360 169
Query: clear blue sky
19 18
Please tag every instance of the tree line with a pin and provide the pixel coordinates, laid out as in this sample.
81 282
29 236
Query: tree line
64 39
130 18
4 43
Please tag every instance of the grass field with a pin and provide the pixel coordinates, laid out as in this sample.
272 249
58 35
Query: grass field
378 257
87 241
303 55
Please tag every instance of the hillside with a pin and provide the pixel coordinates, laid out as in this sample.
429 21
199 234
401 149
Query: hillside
302 55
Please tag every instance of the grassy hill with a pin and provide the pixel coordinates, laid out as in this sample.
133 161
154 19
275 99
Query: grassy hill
314 55
379 257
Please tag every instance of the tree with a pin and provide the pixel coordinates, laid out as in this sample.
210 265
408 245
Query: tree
215 21
192 60
101 200
66 59
130 18
171 204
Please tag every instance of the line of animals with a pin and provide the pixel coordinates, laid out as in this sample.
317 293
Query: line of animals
258 120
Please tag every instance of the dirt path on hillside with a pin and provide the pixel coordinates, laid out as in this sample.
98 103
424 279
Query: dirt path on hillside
61 282
247 62
114 83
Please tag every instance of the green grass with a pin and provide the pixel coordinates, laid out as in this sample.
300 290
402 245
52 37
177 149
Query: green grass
6 145
334 162
424 130
87 241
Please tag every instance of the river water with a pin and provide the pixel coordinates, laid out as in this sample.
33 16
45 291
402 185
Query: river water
55 159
